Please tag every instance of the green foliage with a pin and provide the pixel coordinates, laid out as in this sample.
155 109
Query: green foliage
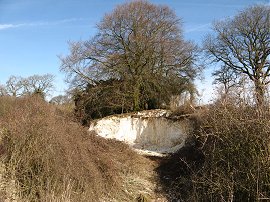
112 97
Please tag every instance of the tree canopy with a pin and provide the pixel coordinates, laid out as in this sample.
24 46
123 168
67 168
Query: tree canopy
242 43
35 84
139 49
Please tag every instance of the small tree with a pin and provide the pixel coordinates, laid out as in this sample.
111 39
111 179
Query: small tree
243 45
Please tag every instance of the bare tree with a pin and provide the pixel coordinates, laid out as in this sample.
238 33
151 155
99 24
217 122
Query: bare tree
226 77
14 86
3 90
38 84
140 44
243 45
232 87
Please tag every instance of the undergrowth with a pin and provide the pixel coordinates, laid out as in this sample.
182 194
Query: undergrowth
226 160
45 156
50 158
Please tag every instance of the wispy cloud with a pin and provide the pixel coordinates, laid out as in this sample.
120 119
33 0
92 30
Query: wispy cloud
8 26
198 28
41 23
218 4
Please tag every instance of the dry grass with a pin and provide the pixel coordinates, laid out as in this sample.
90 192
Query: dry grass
50 158
185 109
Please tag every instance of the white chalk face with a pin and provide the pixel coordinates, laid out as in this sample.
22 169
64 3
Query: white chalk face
147 130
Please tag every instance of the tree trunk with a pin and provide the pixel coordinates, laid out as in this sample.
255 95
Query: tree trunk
136 96
260 92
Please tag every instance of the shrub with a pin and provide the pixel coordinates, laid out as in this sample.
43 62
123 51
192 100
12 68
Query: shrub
227 160
50 157
235 143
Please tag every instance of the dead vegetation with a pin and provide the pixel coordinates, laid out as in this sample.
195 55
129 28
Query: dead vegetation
227 159
47 157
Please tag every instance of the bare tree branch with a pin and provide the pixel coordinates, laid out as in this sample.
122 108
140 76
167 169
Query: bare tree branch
243 44
139 44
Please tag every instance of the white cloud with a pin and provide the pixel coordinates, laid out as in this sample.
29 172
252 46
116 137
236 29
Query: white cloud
44 23
7 26
198 28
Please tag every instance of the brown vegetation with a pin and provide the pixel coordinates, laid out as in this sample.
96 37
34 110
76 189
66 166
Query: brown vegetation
37 84
51 158
227 159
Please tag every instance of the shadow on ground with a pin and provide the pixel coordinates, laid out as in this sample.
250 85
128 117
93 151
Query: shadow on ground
175 171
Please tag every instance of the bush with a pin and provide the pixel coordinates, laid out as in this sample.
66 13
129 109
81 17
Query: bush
51 158
235 143
228 159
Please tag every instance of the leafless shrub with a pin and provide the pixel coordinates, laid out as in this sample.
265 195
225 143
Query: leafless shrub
227 160
51 158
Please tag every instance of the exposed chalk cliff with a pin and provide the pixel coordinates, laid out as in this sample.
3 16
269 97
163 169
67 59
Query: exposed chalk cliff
150 130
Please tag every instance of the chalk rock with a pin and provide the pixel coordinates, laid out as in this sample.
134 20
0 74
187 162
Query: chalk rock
150 130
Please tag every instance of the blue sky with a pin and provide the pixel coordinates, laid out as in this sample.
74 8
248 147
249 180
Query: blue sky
34 32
